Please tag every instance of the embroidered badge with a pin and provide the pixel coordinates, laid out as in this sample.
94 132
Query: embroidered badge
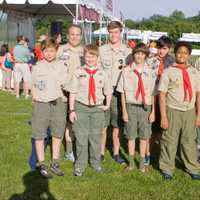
40 85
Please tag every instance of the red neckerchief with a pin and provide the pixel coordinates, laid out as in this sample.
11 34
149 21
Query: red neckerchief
186 82
140 89
92 86
161 67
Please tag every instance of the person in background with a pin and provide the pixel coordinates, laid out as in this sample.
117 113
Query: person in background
38 48
7 67
21 70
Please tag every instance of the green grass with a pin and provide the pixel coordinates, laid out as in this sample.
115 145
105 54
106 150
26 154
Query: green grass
17 182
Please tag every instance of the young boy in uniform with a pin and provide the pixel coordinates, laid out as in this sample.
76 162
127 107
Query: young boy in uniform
179 89
137 87
49 78
159 62
114 57
71 54
87 89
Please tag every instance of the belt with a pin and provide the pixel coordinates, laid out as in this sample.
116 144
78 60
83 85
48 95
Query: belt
89 106
138 105
51 103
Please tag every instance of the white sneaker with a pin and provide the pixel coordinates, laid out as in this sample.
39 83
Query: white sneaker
69 156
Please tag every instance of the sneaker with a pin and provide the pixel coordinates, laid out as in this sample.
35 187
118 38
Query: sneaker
147 160
55 168
102 158
195 177
44 171
78 172
167 177
27 97
118 159
141 165
17 97
128 168
69 156
98 169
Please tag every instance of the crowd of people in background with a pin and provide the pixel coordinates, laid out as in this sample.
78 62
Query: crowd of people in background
140 91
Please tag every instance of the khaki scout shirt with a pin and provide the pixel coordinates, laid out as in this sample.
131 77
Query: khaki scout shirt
79 85
128 84
154 62
197 64
48 80
171 82
72 57
113 60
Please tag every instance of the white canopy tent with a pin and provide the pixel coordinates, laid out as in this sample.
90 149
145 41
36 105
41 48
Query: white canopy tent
27 10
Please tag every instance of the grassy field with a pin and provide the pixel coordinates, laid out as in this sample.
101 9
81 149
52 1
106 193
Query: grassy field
17 182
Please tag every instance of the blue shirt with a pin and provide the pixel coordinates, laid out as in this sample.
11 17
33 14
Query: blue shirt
21 54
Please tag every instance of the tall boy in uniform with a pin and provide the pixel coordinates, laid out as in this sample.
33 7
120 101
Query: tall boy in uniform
88 88
49 78
114 56
137 88
179 98
71 54
159 62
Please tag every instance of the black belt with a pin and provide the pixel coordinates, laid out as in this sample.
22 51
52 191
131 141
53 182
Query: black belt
51 103
138 105
89 106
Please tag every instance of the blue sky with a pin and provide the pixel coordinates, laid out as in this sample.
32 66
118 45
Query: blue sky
137 9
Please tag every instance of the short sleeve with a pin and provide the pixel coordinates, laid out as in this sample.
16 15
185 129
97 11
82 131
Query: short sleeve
74 82
164 82
107 84
120 86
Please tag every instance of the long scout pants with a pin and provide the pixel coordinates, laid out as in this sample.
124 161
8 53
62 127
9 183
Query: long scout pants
88 134
181 128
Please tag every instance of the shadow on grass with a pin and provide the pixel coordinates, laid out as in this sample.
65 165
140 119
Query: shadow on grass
36 188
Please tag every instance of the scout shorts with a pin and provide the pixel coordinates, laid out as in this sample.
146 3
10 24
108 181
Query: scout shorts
22 71
113 116
52 115
138 125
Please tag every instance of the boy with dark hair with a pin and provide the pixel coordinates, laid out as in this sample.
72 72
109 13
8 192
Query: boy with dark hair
179 97
136 86
160 62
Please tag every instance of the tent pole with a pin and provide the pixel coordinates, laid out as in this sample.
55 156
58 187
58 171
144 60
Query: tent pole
77 12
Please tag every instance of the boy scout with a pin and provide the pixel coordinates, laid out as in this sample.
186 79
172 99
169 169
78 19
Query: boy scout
71 54
87 89
114 56
48 79
197 66
159 62
136 86
179 91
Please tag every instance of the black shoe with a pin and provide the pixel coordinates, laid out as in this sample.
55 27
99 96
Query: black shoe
102 158
55 168
44 171
167 177
195 177
118 159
